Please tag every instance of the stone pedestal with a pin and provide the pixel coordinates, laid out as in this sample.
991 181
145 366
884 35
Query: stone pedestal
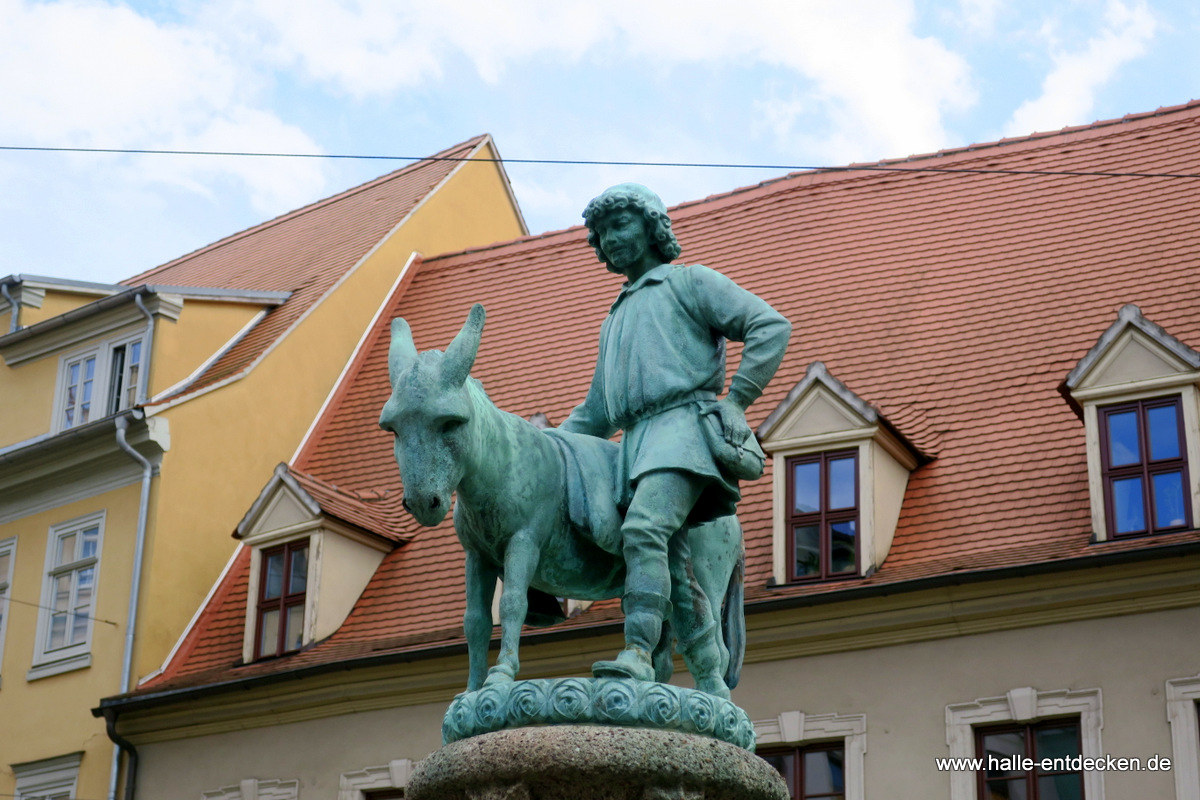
593 762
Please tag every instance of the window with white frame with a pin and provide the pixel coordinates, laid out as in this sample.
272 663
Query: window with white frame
376 783
49 779
99 381
257 789
78 390
8 554
69 595
1012 722
821 756
1137 393
840 474
1183 714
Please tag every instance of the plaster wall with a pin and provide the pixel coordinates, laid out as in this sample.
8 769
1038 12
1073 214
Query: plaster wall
50 716
53 304
903 690
226 443
34 383
181 346
345 569
347 744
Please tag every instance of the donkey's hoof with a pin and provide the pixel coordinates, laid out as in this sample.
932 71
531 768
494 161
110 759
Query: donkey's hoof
715 686
629 663
499 674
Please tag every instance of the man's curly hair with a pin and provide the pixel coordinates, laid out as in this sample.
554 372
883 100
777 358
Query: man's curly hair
638 197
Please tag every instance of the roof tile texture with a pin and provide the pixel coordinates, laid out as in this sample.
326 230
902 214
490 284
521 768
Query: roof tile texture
956 303
304 252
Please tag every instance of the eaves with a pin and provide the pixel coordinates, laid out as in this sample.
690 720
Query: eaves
926 608
81 462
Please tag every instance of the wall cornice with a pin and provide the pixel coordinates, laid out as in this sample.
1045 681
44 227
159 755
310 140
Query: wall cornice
795 633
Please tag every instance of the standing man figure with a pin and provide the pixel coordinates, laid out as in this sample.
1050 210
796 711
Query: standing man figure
660 367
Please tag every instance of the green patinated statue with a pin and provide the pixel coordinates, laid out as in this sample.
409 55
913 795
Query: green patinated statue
660 367
568 513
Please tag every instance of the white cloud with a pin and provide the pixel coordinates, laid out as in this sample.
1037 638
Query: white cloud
862 60
84 73
1068 92
979 16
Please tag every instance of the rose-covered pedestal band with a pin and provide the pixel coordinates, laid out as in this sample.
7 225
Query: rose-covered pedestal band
596 701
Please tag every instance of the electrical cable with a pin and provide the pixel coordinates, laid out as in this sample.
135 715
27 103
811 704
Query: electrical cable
596 162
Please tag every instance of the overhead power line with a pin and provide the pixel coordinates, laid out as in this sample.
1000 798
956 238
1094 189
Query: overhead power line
601 163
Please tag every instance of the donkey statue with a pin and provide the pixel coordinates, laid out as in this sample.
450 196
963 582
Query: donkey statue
536 510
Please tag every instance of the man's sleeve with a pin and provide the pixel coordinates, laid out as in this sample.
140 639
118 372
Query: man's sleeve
742 316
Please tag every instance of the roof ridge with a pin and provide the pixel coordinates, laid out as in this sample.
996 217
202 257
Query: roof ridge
963 150
472 143
849 171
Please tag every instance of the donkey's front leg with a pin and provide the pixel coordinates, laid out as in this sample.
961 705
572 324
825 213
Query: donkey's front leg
477 621
520 561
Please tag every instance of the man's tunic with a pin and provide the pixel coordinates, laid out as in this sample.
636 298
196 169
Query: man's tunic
661 364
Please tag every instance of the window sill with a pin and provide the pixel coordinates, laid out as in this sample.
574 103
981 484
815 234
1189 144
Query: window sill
37 671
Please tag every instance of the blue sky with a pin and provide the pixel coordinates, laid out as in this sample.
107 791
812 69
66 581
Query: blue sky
795 82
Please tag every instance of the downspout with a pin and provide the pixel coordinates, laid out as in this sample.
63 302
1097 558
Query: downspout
110 725
13 308
139 548
147 346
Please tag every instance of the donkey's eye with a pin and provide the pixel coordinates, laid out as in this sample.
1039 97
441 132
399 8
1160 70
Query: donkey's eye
451 425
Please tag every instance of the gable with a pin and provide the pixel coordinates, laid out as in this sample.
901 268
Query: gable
1134 357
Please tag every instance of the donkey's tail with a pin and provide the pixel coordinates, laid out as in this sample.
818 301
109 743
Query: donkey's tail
733 622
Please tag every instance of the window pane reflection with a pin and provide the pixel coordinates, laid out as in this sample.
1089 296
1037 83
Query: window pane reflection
808 550
1128 505
1123 438
823 773
841 482
842 537
274 576
806 487
299 577
1164 432
1168 499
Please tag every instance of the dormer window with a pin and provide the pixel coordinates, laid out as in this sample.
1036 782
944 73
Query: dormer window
99 381
841 470
78 387
283 586
123 381
1136 391
1144 465
823 515
308 562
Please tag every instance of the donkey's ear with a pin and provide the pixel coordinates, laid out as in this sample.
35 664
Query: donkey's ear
402 352
460 355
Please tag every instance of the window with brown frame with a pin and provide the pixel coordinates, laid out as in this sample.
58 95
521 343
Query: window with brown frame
283 581
822 521
815 772
1145 468
1030 762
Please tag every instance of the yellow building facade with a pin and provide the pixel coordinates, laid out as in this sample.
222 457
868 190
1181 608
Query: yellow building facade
141 419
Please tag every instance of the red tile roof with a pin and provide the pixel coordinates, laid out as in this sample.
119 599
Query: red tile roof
954 302
305 252
379 512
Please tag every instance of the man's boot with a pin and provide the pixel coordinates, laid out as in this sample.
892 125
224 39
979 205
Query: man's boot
644 614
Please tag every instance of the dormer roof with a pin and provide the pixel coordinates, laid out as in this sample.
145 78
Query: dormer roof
1147 348
829 406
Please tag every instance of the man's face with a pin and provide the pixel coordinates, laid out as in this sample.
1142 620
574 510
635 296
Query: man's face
623 239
